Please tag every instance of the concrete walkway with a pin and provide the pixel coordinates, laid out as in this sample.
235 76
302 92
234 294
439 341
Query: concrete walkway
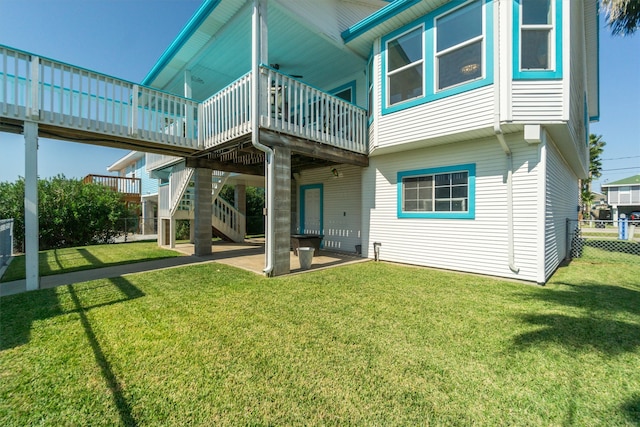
46 282
248 256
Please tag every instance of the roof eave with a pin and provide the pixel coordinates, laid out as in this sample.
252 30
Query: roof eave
192 26
124 161
377 18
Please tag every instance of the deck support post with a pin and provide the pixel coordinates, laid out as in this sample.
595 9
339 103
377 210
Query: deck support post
240 198
203 212
282 211
172 232
31 231
240 203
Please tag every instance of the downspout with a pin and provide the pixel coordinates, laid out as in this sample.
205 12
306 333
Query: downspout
497 128
256 51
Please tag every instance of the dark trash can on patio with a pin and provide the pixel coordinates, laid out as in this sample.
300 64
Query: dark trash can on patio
306 241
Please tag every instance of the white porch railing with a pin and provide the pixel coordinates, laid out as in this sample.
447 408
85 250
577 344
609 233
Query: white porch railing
301 110
226 115
178 183
55 93
228 220
288 106
51 92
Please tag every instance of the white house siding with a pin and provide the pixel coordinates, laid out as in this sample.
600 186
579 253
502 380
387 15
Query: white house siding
536 101
562 201
341 205
148 185
476 245
577 80
454 114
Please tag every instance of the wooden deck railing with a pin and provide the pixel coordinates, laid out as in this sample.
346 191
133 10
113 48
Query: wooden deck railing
127 186
55 93
298 109
288 106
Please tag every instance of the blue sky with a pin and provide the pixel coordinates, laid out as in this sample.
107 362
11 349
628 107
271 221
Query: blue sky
124 38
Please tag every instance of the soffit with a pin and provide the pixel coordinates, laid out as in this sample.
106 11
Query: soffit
362 42
219 50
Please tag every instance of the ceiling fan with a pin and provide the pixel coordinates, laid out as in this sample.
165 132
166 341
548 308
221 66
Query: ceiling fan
277 67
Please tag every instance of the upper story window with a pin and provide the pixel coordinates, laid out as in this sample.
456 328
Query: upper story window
447 192
538 39
346 92
405 66
536 35
459 46
447 52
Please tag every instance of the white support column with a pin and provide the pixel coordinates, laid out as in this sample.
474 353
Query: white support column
31 232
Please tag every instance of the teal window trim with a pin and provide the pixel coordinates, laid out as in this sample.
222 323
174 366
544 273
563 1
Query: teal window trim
350 85
429 63
396 34
304 188
470 214
556 73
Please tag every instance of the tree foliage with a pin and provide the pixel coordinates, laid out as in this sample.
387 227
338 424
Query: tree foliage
70 212
255 205
623 16
596 148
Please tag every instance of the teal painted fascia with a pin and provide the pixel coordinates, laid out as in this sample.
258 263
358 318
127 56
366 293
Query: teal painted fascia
470 214
430 94
194 23
377 18
519 74
304 188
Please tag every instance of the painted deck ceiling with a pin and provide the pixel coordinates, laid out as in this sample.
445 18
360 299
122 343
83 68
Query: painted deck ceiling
219 50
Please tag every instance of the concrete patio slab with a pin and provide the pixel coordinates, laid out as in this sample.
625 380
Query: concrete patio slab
248 256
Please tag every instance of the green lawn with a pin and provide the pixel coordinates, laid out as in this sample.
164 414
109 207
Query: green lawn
57 261
365 344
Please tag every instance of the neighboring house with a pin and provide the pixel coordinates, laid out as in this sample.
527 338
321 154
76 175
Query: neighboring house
451 133
133 166
623 195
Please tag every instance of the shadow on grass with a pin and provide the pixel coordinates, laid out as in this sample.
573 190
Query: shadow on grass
18 312
115 387
91 258
631 409
611 337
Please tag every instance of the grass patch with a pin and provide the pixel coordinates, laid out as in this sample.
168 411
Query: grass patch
365 344
58 261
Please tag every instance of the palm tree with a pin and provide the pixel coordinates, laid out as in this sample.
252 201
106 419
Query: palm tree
623 16
596 148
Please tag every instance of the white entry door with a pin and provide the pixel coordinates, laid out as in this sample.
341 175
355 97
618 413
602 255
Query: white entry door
311 209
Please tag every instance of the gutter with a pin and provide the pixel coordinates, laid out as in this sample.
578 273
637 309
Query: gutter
256 51
497 128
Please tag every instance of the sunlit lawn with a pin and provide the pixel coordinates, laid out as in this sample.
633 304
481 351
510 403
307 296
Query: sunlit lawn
366 344
56 261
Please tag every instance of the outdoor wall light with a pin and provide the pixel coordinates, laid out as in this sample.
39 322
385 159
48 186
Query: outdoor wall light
335 172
